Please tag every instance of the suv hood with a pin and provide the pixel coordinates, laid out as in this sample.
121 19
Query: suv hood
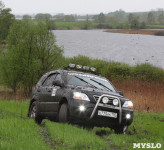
90 92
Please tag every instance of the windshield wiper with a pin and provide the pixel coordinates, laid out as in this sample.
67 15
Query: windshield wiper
86 82
101 85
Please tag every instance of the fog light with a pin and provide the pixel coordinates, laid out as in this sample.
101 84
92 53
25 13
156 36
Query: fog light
115 102
105 100
82 108
128 116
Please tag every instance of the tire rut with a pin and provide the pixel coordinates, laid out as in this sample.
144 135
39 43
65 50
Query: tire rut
43 132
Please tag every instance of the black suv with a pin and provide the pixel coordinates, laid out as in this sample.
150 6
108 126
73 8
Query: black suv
66 95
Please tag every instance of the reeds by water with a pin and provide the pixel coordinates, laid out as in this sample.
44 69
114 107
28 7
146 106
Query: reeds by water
146 96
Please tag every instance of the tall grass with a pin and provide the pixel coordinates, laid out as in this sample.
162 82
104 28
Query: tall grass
146 96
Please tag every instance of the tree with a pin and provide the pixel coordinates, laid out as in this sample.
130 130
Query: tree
69 18
161 18
59 17
130 18
101 18
31 52
151 18
6 19
41 16
1 6
133 21
28 17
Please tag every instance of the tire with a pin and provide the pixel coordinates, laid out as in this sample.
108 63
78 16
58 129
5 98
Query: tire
122 129
34 113
64 113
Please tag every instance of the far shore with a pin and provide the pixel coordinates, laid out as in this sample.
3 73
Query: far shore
130 31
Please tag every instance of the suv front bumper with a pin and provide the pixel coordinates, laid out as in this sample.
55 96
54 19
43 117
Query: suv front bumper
91 115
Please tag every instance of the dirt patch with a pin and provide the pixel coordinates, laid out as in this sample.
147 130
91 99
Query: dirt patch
162 120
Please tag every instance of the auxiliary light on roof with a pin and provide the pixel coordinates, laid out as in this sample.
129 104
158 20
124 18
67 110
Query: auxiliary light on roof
93 69
85 68
72 65
79 67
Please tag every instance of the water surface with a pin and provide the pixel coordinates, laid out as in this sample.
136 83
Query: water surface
128 48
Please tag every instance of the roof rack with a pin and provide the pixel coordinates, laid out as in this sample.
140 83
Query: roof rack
82 68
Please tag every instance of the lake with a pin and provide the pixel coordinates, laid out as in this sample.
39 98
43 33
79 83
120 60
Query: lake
131 49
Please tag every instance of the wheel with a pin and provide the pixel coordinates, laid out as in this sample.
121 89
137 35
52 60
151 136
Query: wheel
64 113
122 129
34 113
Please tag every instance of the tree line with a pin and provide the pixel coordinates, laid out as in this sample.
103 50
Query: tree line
134 20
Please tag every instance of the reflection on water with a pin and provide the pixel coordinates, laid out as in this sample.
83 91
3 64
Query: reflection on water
128 48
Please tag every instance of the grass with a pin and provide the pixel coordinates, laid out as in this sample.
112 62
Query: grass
72 137
75 25
88 25
155 26
21 133
146 128
18 132
94 25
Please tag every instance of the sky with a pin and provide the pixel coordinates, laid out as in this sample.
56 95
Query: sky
80 6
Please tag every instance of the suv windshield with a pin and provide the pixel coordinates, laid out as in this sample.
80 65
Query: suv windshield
91 80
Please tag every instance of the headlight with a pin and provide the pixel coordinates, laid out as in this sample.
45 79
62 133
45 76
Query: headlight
128 104
80 96
115 102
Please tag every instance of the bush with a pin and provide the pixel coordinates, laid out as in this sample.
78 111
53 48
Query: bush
148 72
117 71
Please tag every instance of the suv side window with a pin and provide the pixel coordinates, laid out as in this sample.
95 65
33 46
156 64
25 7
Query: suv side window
49 80
58 77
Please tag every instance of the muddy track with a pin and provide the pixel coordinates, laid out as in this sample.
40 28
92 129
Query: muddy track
43 132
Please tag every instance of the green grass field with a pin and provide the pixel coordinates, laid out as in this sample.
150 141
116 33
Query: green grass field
17 132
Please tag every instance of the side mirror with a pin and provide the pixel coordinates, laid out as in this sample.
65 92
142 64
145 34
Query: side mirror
58 83
121 93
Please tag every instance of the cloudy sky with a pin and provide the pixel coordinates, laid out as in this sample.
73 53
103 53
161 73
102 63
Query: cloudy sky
80 6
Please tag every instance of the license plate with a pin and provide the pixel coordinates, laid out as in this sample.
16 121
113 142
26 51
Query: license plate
107 114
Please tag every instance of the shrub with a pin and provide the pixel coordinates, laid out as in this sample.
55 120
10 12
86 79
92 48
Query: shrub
148 72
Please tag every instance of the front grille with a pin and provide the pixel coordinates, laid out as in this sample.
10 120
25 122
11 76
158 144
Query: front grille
110 102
